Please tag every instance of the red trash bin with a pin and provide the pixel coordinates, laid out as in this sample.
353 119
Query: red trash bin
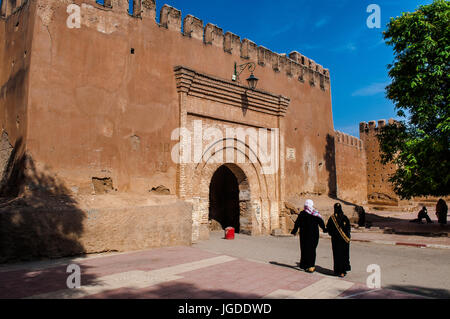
229 233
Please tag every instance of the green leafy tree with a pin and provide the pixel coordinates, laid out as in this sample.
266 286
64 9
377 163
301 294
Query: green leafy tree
419 142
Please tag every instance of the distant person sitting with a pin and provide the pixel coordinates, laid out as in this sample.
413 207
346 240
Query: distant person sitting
441 212
423 214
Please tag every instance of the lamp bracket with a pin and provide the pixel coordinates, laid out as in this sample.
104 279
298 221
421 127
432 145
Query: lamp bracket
238 69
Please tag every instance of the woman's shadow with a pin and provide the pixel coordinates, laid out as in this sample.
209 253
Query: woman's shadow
319 269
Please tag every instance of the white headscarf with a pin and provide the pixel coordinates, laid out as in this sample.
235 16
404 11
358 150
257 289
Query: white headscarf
310 204
309 208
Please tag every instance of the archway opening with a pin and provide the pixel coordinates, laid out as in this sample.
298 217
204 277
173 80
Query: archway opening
224 208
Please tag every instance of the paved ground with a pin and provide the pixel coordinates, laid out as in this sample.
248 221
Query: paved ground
246 268
400 222
395 228
422 271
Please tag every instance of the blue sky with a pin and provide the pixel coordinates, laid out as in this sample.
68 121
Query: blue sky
333 33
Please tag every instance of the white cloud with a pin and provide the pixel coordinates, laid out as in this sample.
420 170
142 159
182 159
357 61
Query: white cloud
376 45
308 46
373 89
283 29
349 47
321 22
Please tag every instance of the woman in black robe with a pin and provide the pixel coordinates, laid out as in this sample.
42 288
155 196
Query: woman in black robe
441 212
308 221
338 227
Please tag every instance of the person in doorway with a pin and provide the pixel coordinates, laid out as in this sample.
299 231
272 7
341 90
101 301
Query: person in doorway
441 211
308 222
338 227
423 214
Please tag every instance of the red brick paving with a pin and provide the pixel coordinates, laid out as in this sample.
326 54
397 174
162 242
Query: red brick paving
25 283
237 279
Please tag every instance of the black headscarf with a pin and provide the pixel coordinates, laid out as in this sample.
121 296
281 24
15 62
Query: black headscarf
441 206
341 218
338 212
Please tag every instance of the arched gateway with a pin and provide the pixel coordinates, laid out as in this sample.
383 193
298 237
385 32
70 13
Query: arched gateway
229 200
233 179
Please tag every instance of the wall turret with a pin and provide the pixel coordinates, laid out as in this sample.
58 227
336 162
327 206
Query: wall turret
373 126
379 189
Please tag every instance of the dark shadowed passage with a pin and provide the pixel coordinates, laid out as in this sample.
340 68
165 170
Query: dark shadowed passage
224 199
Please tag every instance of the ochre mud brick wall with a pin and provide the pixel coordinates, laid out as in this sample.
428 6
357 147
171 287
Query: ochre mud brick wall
379 189
95 105
16 35
103 98
32 231
351 169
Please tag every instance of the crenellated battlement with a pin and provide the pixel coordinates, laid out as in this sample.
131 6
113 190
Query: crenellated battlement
293 65
9 7
372 125
346 139
170 18
193 27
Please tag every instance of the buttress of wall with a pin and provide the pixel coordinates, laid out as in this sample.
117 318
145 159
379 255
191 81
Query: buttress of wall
309 132
16 28
104 101
379 189
350 169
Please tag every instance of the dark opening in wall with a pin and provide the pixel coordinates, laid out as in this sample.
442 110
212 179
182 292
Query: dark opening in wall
102 185
224 206
132 51
160 190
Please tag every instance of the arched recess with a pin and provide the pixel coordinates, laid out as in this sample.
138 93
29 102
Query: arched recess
255 197
229 203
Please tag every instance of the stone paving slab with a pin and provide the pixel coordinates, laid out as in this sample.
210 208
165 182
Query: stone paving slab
178 273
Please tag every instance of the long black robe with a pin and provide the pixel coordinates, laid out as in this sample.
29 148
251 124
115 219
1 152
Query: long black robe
309 237
341 249
441 212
